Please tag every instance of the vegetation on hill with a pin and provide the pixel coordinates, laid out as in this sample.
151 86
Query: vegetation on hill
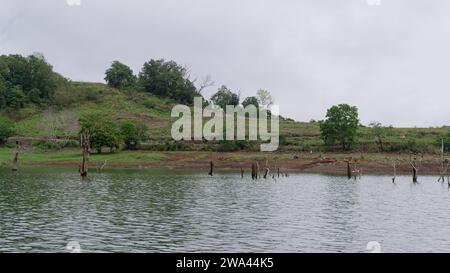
133 112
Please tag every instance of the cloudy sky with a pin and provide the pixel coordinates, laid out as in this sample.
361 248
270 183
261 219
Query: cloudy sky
391 60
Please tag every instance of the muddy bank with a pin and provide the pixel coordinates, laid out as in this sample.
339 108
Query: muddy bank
380 164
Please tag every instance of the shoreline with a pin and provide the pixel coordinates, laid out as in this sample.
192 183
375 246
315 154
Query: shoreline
290 162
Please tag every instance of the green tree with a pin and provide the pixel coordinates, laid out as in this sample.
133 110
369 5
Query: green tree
167 79
15 98
6 130
119 75
102 132
340 126
224 97
251 101
133 134
3 90
26 79
106 135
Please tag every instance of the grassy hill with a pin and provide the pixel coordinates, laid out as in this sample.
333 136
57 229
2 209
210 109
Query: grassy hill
74 99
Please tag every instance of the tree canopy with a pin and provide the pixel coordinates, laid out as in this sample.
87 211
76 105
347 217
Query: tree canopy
340 126
102 132
224 97
24 80
119 75
167 79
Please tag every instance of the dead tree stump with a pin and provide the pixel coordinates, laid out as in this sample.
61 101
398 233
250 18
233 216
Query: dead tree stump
255 170
15 164
84 167
349 170
211 168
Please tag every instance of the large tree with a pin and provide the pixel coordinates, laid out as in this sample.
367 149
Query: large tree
224 97
26 79
340 126
119 75
167 79
102 132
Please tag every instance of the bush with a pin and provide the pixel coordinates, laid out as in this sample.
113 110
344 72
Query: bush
133 133
232 146
92 95
46 145
6 130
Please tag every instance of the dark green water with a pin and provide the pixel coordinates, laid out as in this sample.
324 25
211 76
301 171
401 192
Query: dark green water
155 211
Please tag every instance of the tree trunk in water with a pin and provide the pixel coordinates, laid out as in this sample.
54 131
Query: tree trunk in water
242 172
211 168
255 170
85 163
414 175
15 165
15 162
349 170
266 173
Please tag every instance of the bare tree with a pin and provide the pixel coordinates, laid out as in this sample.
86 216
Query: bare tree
205 83
415 163
59 127
445 164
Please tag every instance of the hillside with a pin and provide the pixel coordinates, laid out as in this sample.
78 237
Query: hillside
131 115
75 99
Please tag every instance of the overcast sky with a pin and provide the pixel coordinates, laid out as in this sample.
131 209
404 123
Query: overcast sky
391 60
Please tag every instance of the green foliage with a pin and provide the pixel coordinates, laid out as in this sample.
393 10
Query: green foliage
340 126
6 130
233 146
102 132
15 98
167 79
133 134
443 138
119 75
251 101
25 79
224 97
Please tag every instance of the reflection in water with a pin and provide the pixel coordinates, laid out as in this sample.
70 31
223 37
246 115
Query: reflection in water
154 211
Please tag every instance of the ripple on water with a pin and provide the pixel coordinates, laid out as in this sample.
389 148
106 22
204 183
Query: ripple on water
153 211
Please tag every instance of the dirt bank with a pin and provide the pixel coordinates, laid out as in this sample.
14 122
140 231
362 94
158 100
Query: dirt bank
288 162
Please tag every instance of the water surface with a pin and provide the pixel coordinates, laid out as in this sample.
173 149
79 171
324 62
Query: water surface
168 211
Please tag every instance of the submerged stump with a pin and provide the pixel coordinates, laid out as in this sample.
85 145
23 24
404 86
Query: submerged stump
211 168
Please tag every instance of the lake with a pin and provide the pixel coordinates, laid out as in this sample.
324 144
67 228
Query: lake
42 210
